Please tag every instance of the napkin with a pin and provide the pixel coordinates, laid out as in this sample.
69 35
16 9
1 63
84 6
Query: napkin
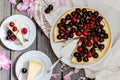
109 68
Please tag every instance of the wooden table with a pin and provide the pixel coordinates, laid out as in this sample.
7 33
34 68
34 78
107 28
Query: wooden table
41 43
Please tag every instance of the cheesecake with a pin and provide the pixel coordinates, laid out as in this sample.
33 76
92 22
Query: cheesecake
92 30
14 27
34 69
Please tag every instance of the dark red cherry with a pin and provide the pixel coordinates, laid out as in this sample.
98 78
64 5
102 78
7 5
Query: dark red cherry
84 10
95 55
85 59
78 33
76 54
12 24
24 70
59 37
47 10
50 7
96 13
78 10
74 20
95 38
79 48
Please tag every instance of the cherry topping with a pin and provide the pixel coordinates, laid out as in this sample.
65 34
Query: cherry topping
76 54
85 59
14 28
24 70
95 55
59 37
85 27
67 31
72 30
24 30
95 44
8 37
65 36
74 20
68 17
101 46
105 35
9 32
73 13
93 50
78 10
96 13
93 18
85 33
95 38
89 13
71 35
63 20
79 59
13 38
89 54
99 18
84 10
82 39
78 33
12 24
59 25
79 48
92 24
89 43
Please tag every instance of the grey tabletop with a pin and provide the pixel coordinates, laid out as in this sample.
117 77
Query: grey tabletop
41 43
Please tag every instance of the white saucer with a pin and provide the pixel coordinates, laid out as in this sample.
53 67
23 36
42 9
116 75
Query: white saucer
34 55
24 22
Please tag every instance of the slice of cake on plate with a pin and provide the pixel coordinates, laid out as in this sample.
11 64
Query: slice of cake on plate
16 30
33 70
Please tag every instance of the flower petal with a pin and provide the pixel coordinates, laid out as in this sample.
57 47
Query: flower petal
30 12
56 75
12 1
22 7
33 1
67 77
62 2
26 1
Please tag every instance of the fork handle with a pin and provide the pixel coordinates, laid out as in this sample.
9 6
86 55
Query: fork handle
52 67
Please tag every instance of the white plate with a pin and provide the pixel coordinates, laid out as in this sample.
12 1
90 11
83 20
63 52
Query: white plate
34 55
24 22
57 47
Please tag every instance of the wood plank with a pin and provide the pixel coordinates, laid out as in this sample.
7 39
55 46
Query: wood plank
16 54
4 13
44 46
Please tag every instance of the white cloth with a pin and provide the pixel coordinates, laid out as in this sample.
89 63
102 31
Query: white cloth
109 69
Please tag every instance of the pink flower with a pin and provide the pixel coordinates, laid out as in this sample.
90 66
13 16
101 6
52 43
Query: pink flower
33 1
30 12
22 7
56 75
67 77
12 1
62 2
4 61
29 1
26 1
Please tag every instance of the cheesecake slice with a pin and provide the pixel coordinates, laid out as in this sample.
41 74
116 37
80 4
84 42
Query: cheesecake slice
17 33
34 68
